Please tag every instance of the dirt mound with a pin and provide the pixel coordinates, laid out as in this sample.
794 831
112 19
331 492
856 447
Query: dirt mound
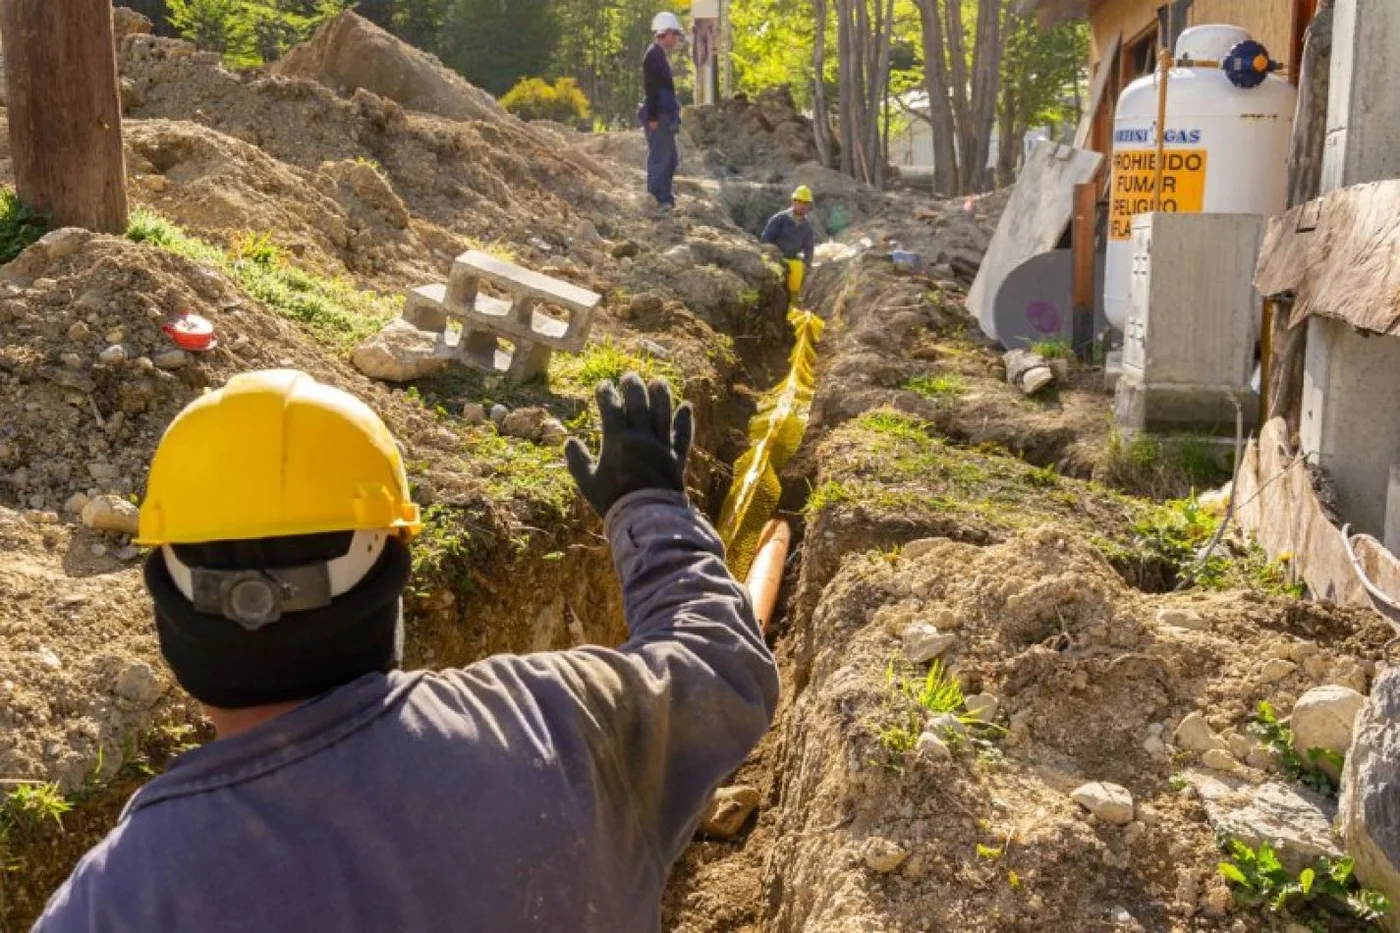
349 52
990 839
764 138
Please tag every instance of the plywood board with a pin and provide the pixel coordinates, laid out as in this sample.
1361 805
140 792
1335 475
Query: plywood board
1268 21
1107 65
1339 256
1033 222
1275 502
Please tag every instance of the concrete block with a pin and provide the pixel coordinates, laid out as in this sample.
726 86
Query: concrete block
521 318
1392 511
1350 425
423 308
1188 347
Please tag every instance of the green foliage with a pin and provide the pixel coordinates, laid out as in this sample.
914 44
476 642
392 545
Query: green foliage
249 32
910 700
1159 467
537 99
334 311
773 42
30 805
1277 737
495 44
1257 877
944 388
1174 532
20 225
608 361
1052 349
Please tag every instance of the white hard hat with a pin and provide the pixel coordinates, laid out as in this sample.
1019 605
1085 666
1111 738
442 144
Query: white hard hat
666 22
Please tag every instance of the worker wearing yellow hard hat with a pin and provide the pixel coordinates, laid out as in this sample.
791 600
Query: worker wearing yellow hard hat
549 791
790 232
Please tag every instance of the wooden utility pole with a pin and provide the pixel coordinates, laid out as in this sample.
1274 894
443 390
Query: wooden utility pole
1082 252
65 111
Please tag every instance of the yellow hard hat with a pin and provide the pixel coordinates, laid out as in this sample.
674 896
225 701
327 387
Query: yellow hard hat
803 194
274 454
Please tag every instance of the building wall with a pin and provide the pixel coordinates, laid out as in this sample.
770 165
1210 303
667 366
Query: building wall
1269 21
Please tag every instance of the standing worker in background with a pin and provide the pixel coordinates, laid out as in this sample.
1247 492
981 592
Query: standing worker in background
544 792
791 232
661 111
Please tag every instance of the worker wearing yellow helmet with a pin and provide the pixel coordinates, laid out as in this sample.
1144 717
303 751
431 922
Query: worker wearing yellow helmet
550 791
790 231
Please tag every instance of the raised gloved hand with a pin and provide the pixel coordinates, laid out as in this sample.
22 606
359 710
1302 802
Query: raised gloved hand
643 446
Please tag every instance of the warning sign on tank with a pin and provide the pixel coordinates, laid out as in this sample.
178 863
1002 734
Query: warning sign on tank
1134 173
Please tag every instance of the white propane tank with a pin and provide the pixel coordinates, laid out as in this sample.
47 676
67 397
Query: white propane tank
1226 149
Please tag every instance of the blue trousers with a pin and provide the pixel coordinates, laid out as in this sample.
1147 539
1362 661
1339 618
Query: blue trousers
663 158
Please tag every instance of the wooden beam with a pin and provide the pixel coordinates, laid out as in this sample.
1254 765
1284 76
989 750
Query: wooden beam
65 111
1082 281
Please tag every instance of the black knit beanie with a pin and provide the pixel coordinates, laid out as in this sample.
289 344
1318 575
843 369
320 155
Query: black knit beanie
298 657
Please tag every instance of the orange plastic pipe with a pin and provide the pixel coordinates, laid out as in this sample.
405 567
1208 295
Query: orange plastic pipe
766 572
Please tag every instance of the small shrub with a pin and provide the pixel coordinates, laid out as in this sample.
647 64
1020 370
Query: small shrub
1052 349
1276 736
1257 877
537 99
30 805
20 225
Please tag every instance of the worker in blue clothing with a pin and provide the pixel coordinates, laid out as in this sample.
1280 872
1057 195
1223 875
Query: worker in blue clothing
660 112
790 231
543 792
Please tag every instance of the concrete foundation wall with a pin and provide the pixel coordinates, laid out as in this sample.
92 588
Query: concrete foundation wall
1392 513
1363 108
1351 419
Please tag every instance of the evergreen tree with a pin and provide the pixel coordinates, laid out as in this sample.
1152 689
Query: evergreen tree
495 43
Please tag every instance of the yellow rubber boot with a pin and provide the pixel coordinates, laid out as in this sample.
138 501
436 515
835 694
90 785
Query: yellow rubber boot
797 273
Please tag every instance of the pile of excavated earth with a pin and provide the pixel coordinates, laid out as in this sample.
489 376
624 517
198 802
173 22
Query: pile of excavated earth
953 540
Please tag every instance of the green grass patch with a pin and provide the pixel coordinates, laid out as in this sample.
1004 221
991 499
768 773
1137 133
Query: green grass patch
607 360
945 388
911 699
20 225
1161 467
523 471
1052 349
332 310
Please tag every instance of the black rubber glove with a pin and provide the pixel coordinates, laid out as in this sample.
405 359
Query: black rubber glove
643 446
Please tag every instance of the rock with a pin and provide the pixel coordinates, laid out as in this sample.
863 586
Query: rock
102 472
1323 718
946 725
129 553
131 96
170 359
983 706
625 250
916 549
655 349
930 746
1240 745
63 242
586 233
75 503
474 413
923 642
1108 802
401 352
48 658
729 810
1135 831
525 423
79 332
111 513
1297 822
137 683
882 855
128 22
1195 734
71 360
1263 758
682 254
1182 618
1371 789
553 433
1276 669
1154 746
99 550
113 355
1218 759
498 414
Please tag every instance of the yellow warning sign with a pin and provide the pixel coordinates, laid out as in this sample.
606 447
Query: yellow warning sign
1134 173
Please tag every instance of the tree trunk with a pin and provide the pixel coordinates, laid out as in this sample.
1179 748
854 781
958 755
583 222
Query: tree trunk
945 157
1008 140
821 118
1304 182
65 112
986 72
879 89
846 103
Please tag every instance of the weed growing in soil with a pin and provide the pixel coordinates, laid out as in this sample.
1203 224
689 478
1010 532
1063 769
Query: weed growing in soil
30 805
1159 468
1052 349
937 388
20 225
519 469
1175 531
607 360
334 311
1257 877
910 700
1276 736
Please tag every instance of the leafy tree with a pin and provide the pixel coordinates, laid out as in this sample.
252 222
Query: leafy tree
214 25
249 32
496 42
1042 71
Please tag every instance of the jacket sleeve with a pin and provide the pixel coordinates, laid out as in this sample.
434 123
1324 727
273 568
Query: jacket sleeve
652 83
773 229
678 707
809 243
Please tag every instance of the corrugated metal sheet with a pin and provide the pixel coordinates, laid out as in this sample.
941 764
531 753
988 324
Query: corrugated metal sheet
1339 256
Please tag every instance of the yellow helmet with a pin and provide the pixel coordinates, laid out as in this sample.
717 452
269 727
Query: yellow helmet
274 454
803 194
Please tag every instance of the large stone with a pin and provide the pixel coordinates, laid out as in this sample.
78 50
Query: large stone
138 684
729 810
1370 806
1108 802
401 352
1323 718
1195 734
1295 821
111 513
882 855
923 642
